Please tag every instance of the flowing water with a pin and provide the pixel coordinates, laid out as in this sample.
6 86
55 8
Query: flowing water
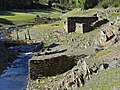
16 76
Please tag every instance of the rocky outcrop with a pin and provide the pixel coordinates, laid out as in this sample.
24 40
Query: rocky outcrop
77 78
109 36
81 73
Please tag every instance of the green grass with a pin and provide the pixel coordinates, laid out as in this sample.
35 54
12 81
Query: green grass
103 55
113 16
104 80
46 30
48 81
22 18
97 57
18 18
45 33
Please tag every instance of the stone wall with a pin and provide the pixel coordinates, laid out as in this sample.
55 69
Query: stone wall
83 24
110 11
84 21
51 67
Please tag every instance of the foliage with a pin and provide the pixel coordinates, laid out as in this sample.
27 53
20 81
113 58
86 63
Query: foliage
14 4
109 3
67 4
84 4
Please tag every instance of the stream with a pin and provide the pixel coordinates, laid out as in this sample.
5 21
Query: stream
15 77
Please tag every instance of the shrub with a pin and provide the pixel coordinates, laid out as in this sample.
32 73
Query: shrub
86 4
109 3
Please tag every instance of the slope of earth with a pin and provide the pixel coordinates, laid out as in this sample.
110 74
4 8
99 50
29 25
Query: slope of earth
108 79
56 39
73 42
25 17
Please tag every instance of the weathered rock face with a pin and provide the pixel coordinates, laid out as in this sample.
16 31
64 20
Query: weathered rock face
109 36
77 78
118 19
52 66
81 73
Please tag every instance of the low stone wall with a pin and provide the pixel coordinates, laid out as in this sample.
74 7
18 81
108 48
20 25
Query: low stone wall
71 22
51 67
83 24
109 11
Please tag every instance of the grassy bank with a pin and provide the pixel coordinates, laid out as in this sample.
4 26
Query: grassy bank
16 18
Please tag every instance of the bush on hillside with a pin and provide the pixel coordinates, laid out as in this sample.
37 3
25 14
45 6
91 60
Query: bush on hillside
109 3
83 4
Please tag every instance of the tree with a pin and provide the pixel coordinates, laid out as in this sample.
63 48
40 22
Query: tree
14 4
52 1
85 4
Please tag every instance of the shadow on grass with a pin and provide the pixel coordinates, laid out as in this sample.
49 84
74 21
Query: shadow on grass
55 52
6 22
6 13
53 45
36 8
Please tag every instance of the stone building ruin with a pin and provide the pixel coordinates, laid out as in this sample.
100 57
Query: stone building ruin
45 20
51 66
83 24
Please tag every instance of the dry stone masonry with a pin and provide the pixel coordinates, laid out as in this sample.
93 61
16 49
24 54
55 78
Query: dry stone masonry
51 67
109 35
75 79
83 24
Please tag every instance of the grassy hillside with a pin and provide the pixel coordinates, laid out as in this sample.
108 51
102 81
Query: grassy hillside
104 80
16 18
74 43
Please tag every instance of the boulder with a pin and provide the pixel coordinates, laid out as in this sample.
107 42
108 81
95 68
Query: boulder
77 77
103 66
109 35
118 19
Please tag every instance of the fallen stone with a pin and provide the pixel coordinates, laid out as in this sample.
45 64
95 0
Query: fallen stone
103 66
